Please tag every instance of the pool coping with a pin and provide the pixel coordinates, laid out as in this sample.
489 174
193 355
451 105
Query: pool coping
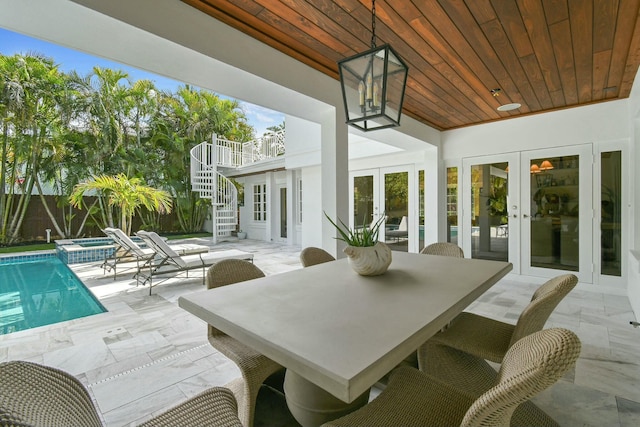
27 255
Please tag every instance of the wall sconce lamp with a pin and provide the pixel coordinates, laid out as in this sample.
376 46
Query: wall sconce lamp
546 165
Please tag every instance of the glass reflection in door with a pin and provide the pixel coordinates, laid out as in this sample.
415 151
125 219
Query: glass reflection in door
396 209
611 213
554 212
362 200
489 216
452 205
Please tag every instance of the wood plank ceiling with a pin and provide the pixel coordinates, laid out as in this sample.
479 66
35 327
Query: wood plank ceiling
543 54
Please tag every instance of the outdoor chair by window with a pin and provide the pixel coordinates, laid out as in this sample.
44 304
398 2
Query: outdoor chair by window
489 338
401 232
129 250
255 367
414 398
37 395
312 256
167 261
443 248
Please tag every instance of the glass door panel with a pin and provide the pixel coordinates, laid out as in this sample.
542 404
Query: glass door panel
452 205
363 200
555 209
490 227
557 212
283 213
611 213
396 209
489 219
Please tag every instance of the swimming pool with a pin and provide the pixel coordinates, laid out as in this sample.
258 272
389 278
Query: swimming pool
41 292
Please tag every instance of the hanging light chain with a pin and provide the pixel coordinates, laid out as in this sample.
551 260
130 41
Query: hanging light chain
373 24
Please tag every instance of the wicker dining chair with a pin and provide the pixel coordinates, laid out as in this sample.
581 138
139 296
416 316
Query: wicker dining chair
38 395
489 338
475 376
312 256
443 248
255 367
414 398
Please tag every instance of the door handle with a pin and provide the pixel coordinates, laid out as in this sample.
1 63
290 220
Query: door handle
525 216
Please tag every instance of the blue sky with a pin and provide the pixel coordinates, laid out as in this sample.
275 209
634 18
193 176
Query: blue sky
68 59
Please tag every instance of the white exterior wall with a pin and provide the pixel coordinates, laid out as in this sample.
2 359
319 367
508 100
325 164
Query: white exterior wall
311 207
302 142
606 121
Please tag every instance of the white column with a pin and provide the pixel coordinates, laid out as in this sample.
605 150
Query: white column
334 172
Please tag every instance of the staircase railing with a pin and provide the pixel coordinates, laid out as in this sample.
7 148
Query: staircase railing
210 184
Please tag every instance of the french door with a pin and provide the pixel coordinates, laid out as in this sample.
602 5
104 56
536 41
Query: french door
557 211
490 211
390 193
279 221
533 209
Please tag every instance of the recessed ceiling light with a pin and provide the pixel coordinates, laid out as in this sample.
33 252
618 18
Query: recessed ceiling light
509 107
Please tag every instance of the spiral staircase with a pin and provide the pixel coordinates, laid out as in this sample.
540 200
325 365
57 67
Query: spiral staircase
206 179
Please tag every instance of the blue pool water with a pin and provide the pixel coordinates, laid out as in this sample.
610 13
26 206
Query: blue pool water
41 292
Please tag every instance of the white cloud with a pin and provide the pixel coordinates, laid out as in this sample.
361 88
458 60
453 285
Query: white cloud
261 118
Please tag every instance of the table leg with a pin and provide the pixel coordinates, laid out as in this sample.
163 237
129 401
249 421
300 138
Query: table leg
312 406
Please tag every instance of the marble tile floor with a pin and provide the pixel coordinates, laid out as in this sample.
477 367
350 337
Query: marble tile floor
146 354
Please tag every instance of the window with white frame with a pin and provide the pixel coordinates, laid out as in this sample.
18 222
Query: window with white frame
300 201
260 202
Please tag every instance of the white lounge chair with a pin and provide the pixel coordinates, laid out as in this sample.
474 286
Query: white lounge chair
167 261
399 233
128 250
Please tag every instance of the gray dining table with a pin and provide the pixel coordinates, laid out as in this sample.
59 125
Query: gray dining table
337 332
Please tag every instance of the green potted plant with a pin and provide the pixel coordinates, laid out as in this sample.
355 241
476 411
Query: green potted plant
367 255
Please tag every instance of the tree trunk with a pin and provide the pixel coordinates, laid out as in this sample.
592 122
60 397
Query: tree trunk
46 208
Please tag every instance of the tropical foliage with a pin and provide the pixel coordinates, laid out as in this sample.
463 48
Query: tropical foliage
127 194
61 129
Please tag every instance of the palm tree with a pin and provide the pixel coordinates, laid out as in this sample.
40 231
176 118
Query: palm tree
30 84
127 194
182 121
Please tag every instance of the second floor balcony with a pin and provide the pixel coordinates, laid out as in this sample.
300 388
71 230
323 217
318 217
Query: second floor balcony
233 154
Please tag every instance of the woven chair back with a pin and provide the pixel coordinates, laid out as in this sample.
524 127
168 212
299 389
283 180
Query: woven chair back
230 271
36 395
530 366
444 249
544 300
313 256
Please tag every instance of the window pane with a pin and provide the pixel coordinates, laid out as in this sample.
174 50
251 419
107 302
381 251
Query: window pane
611 211
555 212
452 205
362 200
490 222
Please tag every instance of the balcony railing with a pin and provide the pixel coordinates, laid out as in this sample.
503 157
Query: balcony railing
237 154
